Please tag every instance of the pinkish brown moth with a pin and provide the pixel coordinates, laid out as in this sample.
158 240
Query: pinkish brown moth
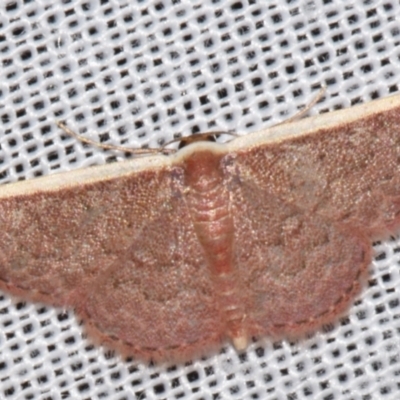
166 257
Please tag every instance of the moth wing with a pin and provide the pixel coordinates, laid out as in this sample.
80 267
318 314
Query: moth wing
296 270
305 210
343 166
123 253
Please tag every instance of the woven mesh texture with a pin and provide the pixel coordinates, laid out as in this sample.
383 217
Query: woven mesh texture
139 73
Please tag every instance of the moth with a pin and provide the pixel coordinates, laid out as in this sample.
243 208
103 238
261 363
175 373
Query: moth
165 257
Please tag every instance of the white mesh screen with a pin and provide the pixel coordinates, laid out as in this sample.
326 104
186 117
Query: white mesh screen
139 73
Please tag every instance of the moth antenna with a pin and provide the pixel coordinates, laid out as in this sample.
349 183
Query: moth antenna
306 109
123 149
